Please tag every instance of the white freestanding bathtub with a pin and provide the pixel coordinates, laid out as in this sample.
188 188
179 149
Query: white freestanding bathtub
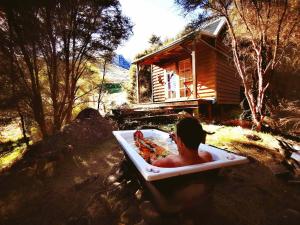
221 158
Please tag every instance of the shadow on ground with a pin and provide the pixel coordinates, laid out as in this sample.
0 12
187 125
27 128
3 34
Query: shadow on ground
95 185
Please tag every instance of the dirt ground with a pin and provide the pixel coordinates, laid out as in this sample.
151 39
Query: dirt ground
96 185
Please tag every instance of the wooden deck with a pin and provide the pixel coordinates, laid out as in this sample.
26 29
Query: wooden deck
190 103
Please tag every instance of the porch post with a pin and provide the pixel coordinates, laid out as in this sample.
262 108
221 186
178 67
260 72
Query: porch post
194 73
152 85
137 84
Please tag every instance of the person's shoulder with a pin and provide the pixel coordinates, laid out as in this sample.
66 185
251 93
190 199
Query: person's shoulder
165 162
205 156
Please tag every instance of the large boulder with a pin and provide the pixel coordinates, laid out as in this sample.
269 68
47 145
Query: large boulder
88 113
89 127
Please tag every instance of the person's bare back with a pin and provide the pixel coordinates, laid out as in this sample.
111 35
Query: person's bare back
177 160
188 136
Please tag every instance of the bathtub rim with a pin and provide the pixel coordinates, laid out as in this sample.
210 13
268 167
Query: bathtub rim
152 173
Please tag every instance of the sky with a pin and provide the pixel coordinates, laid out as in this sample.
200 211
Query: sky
160 17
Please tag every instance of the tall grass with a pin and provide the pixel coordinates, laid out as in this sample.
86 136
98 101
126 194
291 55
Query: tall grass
286 117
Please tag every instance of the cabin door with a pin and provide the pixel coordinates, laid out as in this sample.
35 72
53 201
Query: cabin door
172 85
185 78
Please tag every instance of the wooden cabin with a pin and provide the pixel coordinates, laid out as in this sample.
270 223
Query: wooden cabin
192 72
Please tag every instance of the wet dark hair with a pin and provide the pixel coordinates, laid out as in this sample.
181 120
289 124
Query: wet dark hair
190 132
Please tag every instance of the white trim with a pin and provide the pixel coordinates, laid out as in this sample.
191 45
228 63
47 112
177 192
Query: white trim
178 86
137 83
219 27
176 77
152 83
166 84
172 44
194 73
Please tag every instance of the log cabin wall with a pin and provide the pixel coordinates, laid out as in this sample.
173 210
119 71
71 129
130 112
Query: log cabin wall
206 71
158 84
228 81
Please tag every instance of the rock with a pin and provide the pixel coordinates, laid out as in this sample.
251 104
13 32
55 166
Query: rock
49 169
138 194
120 205
31 170
130 215
111 179
70 148
89 128
82 182
119 173
88 113
78 180
278 169
98 212
77 221
149 213
188 222
142 222
253 137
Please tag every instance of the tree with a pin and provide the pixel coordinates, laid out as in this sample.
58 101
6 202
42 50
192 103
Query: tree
260 31
155 40
49 45
130 87
106 58
11 96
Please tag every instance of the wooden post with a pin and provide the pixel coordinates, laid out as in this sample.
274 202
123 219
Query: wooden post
194 73
152 85
210 116
196 112
137 84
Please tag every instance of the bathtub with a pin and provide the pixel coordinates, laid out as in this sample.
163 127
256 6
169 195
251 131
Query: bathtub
221 158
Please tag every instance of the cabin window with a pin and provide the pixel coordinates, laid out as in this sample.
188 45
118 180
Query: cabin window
185 78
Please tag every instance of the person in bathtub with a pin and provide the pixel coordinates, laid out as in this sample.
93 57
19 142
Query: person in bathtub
189 134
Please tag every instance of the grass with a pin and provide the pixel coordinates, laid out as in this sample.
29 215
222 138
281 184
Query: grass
11 133
9 158
236 139
225 137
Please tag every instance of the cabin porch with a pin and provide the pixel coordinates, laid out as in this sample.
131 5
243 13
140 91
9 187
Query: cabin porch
198 107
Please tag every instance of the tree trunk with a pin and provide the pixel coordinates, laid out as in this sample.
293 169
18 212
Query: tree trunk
39 117
71 100
253 104
101 85
26 139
